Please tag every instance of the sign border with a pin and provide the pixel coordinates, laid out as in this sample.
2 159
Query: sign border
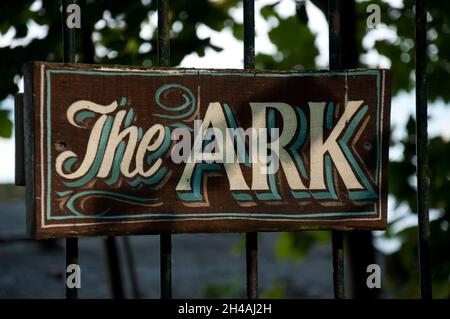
45 104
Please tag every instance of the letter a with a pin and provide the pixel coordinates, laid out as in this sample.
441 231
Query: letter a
74 16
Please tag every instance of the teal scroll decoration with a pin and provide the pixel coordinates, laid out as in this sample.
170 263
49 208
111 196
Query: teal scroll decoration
182 111
106 194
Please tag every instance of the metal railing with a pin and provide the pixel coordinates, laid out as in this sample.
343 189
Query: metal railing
422 149
251 247
69 57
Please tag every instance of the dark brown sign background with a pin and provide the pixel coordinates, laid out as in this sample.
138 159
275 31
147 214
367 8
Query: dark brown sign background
125 206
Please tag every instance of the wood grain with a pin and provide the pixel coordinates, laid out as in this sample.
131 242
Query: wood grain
119 205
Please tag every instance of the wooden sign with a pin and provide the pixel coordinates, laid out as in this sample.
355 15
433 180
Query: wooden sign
115 150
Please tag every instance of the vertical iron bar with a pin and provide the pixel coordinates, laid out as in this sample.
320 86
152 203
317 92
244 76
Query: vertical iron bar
114 268
131 267
71 258
69 57
338 264
166 266
164 60
251 239
334 22
249 34
334 32
422 149
251 252
163 33
19 141
68 35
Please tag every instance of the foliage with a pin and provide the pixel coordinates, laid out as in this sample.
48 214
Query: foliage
5 124
231 289
276 292
288 31
403 278
402 50
291 246
403 264
123 32
401 173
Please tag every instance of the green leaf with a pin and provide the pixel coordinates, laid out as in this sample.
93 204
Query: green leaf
268 11
6 125
294 246
275 292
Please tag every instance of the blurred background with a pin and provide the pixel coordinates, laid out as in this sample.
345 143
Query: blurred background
290 34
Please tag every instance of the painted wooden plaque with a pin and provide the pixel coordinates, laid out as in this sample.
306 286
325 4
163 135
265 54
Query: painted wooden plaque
115 150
